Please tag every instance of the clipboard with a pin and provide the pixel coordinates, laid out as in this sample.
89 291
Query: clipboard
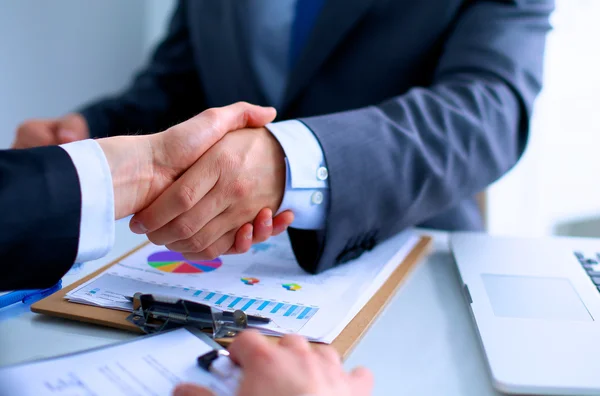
56 305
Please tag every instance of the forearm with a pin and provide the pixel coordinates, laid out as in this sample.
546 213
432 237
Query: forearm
401 162
398 164
39 226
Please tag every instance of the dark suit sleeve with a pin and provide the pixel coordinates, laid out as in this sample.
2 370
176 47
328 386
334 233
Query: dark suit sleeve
406 160
167 91
40 200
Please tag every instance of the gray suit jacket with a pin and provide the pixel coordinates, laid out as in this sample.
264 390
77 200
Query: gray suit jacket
418 104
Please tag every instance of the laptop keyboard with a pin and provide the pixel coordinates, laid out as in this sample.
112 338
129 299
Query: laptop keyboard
591 265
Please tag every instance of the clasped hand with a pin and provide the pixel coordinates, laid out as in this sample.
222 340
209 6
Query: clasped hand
205 187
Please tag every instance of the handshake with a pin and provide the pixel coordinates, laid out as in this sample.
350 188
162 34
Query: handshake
205 187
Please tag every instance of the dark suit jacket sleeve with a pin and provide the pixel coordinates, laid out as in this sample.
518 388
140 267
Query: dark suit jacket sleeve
399 163
167 91
40 200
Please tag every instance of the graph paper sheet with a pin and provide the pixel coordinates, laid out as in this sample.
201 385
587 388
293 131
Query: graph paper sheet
266 281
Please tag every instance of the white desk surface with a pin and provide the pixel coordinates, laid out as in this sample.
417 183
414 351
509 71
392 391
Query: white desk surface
437 352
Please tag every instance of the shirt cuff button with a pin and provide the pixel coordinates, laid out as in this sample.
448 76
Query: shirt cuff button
322 173
317 198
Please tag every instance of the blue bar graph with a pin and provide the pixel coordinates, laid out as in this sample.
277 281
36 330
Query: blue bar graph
248 305
234 302
254 306
209 296
290 310
304 313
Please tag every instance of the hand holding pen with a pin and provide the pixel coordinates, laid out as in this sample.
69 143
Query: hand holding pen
292 367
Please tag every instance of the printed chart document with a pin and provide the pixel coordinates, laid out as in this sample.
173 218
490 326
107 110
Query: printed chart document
151 366
267 281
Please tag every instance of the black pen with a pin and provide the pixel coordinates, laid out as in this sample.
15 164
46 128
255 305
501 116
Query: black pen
217 362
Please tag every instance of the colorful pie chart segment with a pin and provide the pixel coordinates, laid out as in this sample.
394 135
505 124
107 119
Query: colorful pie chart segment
173 262
250 281
291 286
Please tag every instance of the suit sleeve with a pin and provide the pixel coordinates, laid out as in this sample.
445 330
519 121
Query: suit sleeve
406 160
40 201
167 91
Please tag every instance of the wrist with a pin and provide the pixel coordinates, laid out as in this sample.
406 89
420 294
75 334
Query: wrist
130 162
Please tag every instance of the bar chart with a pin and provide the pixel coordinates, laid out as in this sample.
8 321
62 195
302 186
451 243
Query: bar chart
285 316
254 306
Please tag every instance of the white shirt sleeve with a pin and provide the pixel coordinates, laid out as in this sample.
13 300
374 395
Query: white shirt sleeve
307 188
97 227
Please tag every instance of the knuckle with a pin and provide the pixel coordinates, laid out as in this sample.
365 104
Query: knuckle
212 117
185 197
183 229
198 243
248 212
240 189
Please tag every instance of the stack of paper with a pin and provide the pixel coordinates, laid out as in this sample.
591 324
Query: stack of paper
266 281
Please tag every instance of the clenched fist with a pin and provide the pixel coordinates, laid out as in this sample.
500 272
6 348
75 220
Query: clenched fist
48 132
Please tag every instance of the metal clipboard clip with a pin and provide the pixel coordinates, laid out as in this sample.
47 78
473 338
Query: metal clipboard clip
153 314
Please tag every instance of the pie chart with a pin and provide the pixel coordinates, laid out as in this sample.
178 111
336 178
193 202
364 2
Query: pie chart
291 286
250 281
173 262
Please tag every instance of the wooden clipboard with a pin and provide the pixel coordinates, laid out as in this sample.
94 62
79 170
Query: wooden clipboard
57 305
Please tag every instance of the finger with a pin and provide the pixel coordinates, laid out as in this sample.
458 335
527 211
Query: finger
328 354
197 134
191 390
250 348
181 197
240 115
207 235
295 342
222 245
263 225
362 381
282 221
243 240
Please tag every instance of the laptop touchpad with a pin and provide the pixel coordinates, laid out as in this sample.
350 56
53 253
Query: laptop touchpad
534 298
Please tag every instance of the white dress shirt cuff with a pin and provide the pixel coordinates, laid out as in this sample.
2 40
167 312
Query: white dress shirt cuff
307 187
97 227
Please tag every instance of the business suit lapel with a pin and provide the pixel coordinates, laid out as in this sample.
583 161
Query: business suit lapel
336 19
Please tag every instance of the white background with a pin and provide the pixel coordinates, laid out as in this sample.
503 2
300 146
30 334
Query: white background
57 55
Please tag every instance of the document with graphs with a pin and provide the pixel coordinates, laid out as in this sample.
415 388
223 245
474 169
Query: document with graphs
266 281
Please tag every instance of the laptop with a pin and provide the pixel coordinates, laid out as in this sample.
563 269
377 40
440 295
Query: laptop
536 306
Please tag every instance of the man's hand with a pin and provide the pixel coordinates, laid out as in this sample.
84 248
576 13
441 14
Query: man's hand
201 212
291 368
142 167
48 132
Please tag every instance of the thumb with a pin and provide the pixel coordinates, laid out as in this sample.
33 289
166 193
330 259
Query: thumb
201 132
65 135
191 390
362 381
